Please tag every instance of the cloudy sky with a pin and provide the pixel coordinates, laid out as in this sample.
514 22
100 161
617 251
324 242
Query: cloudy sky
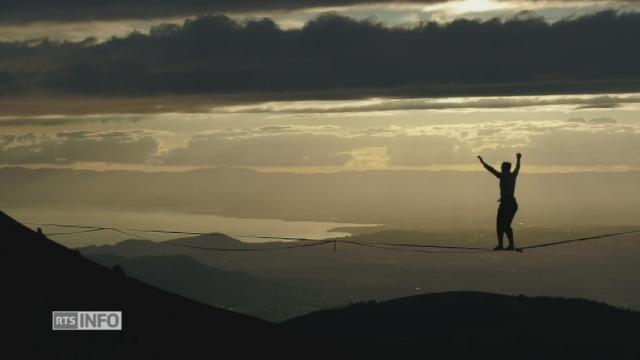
313 86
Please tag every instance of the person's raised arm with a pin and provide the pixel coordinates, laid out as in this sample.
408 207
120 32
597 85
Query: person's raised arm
517 169
489 167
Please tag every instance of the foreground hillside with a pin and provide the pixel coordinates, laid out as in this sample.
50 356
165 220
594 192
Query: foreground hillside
478 326
39 276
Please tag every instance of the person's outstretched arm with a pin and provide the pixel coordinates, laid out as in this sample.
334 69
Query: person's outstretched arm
489 167
517 169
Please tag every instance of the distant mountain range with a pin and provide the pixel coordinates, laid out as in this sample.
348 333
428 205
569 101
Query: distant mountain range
263 285
39 276
232 290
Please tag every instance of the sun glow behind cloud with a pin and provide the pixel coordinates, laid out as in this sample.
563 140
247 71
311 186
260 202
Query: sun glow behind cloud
471 6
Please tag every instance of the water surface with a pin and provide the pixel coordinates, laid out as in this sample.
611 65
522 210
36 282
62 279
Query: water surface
206 223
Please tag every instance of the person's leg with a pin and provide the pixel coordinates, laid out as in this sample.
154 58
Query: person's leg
500 230
511 213
509 232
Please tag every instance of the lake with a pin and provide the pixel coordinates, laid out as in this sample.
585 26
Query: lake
205 223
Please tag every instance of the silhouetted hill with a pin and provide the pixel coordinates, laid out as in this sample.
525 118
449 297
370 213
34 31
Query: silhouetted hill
476 325
231 290
138 247
214 239
39 276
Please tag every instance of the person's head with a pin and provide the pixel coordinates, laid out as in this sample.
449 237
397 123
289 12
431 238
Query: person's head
506 167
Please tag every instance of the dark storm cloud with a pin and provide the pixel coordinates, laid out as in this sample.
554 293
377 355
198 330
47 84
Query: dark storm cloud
338 57
71 10
65 10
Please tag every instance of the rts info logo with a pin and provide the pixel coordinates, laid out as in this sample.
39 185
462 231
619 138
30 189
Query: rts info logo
87 320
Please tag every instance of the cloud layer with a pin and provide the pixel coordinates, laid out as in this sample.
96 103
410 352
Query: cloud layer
77 146
338 57
577 102
576 142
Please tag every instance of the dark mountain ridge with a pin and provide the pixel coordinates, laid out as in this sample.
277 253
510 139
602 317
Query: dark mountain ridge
40 276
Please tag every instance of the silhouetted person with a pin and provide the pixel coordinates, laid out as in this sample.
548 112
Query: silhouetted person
508 205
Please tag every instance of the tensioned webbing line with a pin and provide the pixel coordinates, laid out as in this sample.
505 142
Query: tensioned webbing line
74 232
562 242
380 245
377 245
129 232
403 247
